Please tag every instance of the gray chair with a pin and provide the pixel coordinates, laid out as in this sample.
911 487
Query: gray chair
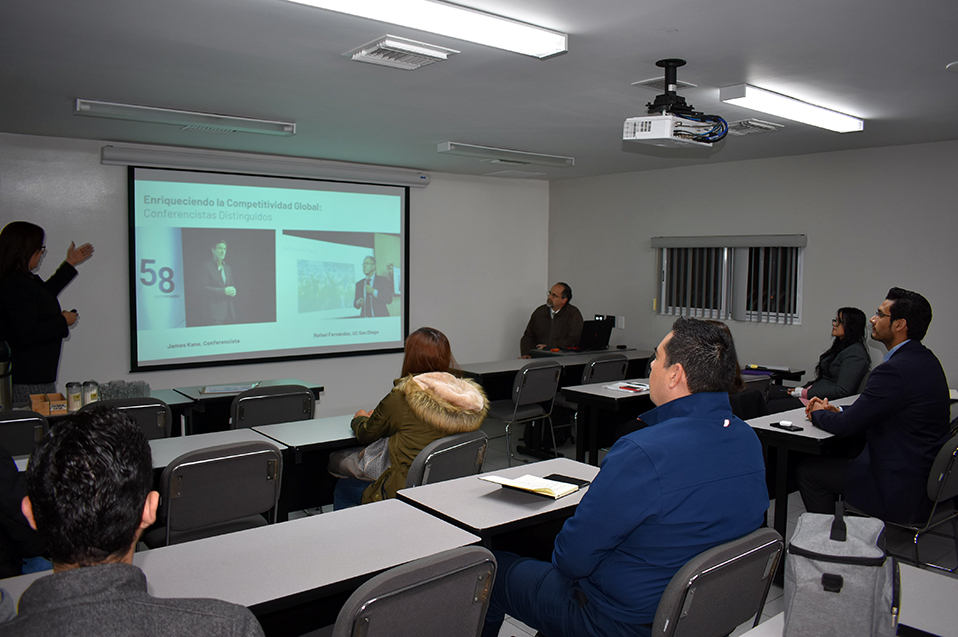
720 589
454 456
605 368
533 394
270 405
152 415
217 490
942 490
444 594
21 430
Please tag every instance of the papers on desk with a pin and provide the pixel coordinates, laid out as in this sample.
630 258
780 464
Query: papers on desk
628 386
228 389
534 484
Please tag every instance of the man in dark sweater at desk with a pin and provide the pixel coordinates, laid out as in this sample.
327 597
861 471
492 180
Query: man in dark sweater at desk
89 496
903 414
692 479
557 324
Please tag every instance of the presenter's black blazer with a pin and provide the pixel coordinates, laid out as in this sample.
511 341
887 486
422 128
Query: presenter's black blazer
218 307
384 296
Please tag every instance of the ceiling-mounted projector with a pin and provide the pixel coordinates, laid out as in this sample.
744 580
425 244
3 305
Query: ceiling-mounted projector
672 122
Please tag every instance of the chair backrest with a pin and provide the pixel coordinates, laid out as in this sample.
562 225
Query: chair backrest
220 484
21 430
759 382
454 456
605 368
943 479
443 594
536 383
270 405
720 589
152 415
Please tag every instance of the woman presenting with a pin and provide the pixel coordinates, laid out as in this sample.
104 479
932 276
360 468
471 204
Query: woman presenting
31 320
426 404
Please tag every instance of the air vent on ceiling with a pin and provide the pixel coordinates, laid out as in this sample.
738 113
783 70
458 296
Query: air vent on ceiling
752 126
658 84
516 174
400 53
196 128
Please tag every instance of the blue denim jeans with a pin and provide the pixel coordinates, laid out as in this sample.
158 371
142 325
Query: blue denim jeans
348 493
536 594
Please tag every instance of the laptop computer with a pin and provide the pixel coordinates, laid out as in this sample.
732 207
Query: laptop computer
595 335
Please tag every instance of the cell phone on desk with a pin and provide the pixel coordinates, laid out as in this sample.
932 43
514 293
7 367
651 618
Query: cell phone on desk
786 425
568 480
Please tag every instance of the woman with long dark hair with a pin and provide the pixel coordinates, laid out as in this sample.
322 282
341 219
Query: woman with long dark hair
426 403
31 320
840 370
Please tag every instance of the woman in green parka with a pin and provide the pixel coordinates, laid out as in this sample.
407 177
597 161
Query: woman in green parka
426 403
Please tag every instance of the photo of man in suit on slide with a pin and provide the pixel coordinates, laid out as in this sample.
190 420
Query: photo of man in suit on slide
219 286
374 292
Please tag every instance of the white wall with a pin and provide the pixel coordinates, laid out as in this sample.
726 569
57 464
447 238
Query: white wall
478 266
874 218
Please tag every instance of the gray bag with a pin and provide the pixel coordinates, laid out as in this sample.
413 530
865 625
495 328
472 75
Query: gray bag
838 580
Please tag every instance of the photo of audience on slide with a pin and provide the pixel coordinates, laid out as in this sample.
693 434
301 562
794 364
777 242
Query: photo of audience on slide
230 276
324 285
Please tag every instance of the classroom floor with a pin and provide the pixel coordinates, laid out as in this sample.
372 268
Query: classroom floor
938 550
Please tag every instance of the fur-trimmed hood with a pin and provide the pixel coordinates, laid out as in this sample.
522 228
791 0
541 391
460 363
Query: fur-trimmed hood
453 405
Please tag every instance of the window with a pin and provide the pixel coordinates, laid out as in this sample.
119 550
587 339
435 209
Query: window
745 278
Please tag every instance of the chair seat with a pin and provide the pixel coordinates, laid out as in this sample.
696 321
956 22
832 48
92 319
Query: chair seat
503 410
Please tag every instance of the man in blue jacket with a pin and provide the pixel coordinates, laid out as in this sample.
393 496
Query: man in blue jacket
903 413
692 479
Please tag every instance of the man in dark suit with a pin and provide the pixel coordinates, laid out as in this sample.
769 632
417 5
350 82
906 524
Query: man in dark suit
903 414
373 292
219 288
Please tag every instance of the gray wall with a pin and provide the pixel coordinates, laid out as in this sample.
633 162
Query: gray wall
479 250
874 218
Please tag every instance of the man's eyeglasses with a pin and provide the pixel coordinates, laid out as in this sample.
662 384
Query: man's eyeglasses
881 314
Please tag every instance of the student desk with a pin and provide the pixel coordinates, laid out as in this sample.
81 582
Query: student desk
497 377
778 443
285 572
595 398
211 412
165 450
307 445
487 509
927 604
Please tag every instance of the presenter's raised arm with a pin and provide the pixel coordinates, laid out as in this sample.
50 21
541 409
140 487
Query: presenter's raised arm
76 256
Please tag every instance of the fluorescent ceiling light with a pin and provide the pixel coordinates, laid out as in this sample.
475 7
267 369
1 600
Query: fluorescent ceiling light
504 155
455 22
188 120
758 99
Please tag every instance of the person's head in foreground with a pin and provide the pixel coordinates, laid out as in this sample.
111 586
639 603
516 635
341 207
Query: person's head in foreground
696 356
89 489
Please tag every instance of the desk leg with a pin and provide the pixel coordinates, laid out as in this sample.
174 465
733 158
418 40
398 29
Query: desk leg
594 437
583 429
781 491
780 521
